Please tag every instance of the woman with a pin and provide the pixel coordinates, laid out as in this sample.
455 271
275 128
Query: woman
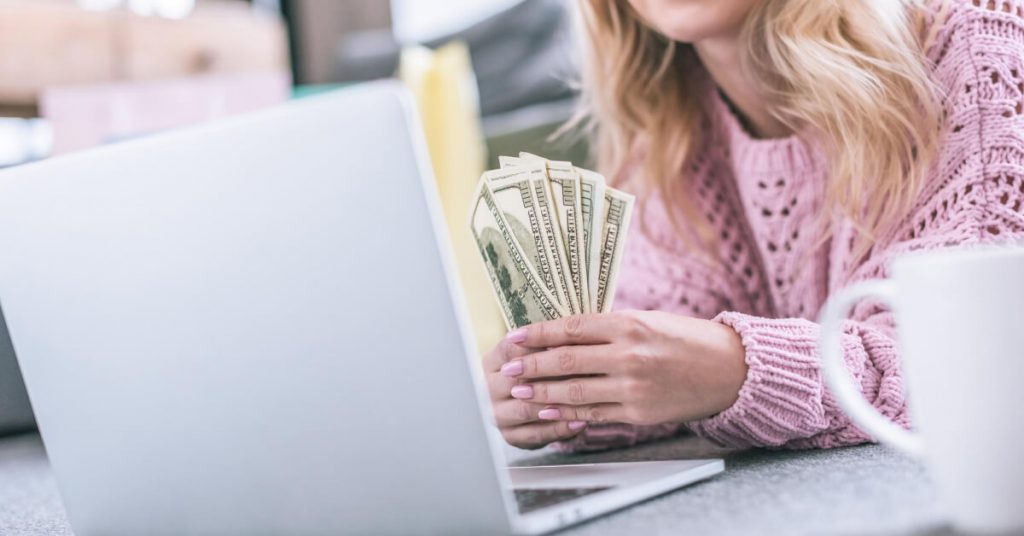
781 150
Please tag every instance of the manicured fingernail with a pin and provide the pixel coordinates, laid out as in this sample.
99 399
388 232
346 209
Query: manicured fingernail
512 368
522 391
577 425
516 336
549 414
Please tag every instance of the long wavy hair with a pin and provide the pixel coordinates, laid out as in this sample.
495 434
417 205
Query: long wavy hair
851 73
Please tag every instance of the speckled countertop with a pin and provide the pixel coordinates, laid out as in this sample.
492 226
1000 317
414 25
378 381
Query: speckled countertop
866 490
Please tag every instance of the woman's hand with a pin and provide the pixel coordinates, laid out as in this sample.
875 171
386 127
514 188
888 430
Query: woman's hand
638 367
521 423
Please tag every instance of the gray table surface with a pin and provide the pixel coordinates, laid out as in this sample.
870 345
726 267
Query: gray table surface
865 490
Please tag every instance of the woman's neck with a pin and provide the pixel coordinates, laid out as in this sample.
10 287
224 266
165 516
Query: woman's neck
721 58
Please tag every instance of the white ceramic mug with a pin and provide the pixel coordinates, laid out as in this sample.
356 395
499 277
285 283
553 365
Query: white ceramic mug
960 321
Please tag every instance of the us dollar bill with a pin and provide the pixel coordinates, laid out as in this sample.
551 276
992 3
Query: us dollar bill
566 196
555 245
509 161
513 189
618 212
521 294
592 187
552 237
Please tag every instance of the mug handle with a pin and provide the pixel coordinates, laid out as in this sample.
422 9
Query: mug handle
838 379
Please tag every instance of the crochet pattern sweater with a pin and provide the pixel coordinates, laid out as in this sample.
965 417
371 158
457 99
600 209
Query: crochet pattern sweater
763 197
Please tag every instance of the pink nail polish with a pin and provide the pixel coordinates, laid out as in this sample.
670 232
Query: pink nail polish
549 414
522 391
516 336
512 369
577 425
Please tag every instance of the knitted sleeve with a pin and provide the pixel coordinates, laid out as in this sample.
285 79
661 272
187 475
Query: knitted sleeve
974 195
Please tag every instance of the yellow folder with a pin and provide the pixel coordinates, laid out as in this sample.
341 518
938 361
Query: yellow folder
445 88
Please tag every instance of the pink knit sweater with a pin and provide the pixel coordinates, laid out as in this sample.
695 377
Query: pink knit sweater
763 196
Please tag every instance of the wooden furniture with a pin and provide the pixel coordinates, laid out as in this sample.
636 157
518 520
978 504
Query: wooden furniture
52 42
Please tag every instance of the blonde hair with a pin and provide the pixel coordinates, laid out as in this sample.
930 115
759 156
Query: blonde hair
852 73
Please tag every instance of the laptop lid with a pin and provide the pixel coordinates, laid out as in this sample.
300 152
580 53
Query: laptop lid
251 328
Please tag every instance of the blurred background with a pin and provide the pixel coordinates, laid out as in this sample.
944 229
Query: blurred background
490 77
74 73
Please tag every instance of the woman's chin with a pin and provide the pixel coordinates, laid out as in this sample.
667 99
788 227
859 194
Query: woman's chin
691 21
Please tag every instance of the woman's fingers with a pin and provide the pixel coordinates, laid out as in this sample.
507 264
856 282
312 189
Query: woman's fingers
498 386
536 435
563 361
573 391
502 353
594 413
512 412
570 330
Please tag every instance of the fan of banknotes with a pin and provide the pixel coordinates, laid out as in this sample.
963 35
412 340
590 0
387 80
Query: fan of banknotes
551 236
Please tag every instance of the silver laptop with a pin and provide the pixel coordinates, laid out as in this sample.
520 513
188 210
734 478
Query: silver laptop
254 327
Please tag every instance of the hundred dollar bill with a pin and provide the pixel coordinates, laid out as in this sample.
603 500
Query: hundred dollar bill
513 191
565 194
552 233
519 290
618 211
592 187
509 161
